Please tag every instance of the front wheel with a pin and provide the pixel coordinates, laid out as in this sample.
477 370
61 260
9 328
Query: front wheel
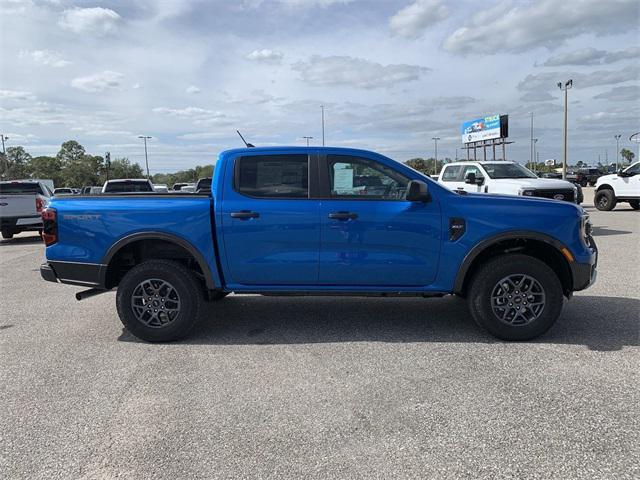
7 234
159 300
515 297
635 204
605 200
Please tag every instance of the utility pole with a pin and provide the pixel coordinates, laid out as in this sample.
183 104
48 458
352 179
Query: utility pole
146 157
532 148
534 164
307 139
322 109
617 137
435 160
456 154
567 85
4 137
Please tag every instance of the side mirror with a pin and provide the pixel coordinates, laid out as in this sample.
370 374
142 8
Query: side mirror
621 173
417 191
471 179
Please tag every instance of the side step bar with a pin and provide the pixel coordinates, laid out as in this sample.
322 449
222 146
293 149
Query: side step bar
92 292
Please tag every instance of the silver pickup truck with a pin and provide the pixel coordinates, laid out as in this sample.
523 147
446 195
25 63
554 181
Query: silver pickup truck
21 204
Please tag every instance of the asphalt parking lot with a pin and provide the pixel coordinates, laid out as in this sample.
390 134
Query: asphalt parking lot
321 387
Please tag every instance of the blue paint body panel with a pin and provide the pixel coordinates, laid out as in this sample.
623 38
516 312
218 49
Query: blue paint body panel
293 246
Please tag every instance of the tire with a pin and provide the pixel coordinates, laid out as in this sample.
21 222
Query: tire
592 184
7 234
605 200
635 204
487 293
583 183
179 290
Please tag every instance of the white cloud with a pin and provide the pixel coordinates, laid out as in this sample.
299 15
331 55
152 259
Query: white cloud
99 82
547 81
591 56
265 55
95 20
511 26
192 89
415 18
621 94
356 72
45 57
182 112
16 95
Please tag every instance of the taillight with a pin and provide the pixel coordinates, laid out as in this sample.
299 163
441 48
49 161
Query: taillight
49 226
39 204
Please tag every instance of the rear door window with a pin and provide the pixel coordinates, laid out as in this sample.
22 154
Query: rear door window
273 176
451 173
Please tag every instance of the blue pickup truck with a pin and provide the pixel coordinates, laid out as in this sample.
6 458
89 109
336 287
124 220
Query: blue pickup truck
320 221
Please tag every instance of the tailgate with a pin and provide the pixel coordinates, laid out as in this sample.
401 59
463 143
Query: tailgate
18 205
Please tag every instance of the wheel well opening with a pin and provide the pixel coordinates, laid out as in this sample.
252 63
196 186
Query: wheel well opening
535 248
136 252
604 187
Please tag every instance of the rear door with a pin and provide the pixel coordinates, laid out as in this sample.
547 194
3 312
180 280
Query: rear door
370 234
271 229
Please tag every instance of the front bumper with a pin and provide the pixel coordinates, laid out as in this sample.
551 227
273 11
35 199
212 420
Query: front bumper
584 274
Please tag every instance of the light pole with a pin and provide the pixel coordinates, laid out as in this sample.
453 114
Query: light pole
567 85
307 139
435 160
4 137
531 150
534 164
322 110
146 157
617 137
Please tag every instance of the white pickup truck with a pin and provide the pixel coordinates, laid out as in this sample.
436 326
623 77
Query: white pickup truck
21 203
623 186
506 178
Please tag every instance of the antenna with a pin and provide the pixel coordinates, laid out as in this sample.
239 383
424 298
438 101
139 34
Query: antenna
248 145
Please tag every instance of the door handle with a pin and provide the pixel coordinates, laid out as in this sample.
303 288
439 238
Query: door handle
245 214
343 216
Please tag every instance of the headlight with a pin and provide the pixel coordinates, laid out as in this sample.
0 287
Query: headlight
526 193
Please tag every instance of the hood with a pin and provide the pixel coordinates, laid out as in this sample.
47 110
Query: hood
539 183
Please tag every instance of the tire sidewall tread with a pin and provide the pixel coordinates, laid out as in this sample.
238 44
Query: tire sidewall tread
499 267
187 286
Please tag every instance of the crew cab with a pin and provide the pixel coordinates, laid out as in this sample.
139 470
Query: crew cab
504 177
623 186
21 204
320 221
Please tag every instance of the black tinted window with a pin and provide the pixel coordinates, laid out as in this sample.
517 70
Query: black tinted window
19 188
273 176
124 187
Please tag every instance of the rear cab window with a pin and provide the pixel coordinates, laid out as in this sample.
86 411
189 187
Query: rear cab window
20 188
273 176
126 187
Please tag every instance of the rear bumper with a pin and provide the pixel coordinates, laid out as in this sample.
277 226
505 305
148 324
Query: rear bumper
84 274
29 222
584 274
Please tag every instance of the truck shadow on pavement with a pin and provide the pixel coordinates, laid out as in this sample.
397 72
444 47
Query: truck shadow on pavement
604 232
600 323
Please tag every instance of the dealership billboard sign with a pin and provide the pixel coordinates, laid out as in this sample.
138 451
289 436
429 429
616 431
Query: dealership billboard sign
485 128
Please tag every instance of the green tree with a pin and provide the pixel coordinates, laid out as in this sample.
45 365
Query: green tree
427 166
46 168
122 168
14 164
78 168
627 154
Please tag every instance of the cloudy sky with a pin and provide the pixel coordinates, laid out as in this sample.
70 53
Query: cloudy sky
391 73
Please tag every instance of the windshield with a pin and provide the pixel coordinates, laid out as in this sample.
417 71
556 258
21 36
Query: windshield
507 170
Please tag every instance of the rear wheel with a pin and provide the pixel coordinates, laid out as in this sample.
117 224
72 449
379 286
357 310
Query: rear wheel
159 300
605 200
635 204
7 234
515 297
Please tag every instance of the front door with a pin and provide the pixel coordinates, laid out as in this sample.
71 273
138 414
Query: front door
271 228
370 234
